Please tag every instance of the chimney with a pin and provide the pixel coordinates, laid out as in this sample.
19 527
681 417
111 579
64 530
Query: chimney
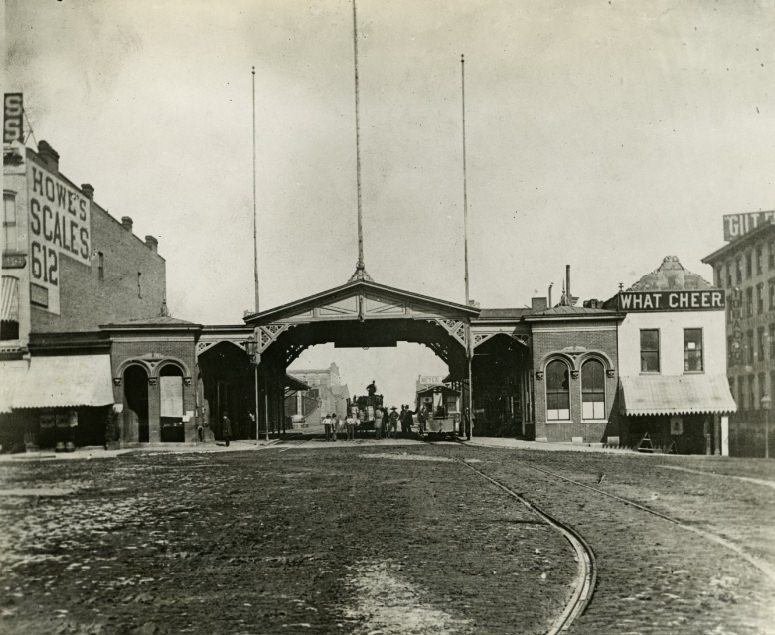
152 244
538 304
88 191
126 222
49 155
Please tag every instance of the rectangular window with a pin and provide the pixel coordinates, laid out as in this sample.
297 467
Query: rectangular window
738 270
749 265
719 275
758 259
772 341
9 221
760 297
761 344
772 295
751 395
100 266
749 302
771 255
729 275
749 347
692 350
649 350
761 377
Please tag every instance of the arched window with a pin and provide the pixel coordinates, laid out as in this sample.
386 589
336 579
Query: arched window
557 396
592 390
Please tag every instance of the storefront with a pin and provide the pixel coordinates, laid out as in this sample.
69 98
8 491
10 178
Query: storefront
674 393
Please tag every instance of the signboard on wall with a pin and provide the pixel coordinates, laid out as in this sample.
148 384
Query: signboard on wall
13 118
704 300
60 225
736 225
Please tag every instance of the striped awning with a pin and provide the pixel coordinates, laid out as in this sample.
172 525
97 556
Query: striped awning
65 382
9 299
676 395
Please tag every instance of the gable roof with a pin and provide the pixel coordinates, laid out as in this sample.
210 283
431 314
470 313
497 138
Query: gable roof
353 288
671 276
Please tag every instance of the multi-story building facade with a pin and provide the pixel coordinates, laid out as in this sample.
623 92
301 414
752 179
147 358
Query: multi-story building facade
672 363
745 270
68 267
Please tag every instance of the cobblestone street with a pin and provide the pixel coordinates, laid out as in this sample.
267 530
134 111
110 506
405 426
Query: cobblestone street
376 538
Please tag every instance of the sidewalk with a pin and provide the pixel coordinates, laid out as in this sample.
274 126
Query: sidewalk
520 444
97 452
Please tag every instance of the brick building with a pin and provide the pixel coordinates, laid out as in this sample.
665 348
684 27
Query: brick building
68 267
745 270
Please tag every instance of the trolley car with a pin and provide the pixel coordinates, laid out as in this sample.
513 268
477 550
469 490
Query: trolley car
438 410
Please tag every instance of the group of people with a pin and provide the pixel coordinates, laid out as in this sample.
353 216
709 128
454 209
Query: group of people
333 425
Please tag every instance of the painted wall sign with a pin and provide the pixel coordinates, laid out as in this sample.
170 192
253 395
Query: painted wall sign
705 300
13 118
735 225
60 224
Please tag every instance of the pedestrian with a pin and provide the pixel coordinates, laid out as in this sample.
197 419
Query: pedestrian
226 428
406 425
327 426
379 415
393 420
351 422
421 417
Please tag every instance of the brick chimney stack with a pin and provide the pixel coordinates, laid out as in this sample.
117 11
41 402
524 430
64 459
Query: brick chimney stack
152 244
49 155
88 190
126 223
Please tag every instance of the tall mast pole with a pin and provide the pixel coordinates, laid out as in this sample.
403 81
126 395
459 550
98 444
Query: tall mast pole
360 268
255 239
255 260
469 337
465 176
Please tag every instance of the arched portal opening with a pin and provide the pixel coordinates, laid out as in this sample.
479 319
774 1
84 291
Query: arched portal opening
135 384
335 375
228 387
502 395
171 404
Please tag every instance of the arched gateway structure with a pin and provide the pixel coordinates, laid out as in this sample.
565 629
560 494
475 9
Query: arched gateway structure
360 313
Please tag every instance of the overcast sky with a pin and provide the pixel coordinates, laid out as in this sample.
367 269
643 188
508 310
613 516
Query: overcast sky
604 135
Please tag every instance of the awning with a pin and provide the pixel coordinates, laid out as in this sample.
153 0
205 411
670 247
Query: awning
291 383
9 299
66 382
676 395
12 372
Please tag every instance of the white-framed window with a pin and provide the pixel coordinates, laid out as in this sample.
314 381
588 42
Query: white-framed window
592 390
9 221
557 391
693 350
649 350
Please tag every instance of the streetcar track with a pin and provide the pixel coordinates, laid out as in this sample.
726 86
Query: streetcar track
586 578
758 563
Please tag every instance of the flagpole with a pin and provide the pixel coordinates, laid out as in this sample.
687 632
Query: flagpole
469 343
360 268
255 255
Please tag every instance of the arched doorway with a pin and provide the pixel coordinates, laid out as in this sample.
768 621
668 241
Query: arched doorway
171 404
136 404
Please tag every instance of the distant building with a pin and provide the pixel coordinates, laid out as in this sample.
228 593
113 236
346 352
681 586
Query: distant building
327 394
745 270
672 363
